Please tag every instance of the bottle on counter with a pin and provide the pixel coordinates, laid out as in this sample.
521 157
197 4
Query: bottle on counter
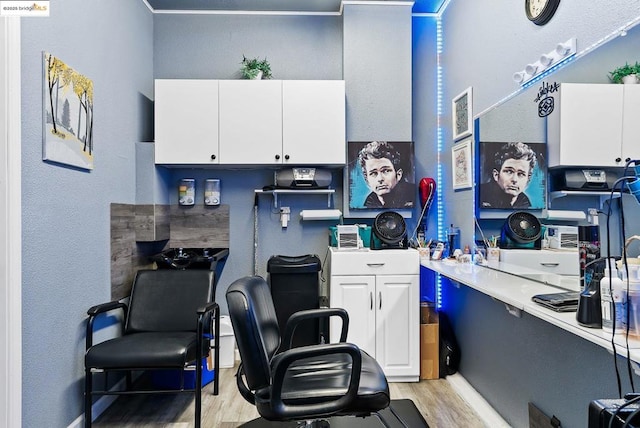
613 295
633 296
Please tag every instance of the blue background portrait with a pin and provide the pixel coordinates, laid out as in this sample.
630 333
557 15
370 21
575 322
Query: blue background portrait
358 187
537 188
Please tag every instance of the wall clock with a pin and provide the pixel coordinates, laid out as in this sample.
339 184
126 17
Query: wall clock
540 11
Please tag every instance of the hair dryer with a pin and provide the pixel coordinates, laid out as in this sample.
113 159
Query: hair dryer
427 188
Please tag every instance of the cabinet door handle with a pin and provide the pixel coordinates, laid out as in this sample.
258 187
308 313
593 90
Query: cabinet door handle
627 159
375 264
371 300
549 264
379 299
213 157
277 157
286 157
618 160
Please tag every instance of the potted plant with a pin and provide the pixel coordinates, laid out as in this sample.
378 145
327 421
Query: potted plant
255 68
625 74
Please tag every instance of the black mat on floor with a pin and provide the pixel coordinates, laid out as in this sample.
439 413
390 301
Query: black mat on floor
399 414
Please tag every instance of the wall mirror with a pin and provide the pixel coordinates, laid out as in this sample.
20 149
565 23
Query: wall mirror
517 119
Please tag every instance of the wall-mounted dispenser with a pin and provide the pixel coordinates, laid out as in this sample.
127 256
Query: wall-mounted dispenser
187 191
212 191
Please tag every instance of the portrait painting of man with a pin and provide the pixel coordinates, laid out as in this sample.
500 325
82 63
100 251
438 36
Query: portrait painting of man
381 175
513 176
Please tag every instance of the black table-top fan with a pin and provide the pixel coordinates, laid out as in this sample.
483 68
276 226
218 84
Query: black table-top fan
521 230
389 231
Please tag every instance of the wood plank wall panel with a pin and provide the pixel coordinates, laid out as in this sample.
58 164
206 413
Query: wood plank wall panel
152 222
199 226
139 231
123 243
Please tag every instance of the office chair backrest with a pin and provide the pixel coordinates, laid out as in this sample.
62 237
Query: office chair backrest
255 325
167 300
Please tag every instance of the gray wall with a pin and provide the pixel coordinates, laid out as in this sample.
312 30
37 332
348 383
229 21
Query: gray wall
298 47
484 46
425 104
123 47
514 361
66 262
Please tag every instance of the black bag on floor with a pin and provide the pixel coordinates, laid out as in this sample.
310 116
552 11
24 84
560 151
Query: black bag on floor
449 349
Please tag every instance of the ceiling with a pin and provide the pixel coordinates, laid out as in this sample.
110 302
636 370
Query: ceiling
305 6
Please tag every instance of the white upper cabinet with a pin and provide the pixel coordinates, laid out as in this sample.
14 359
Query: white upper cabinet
594 125
250 121
313 122
186 121
631 123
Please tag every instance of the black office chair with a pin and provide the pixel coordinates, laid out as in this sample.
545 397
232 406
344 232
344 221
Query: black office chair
308 382
164 327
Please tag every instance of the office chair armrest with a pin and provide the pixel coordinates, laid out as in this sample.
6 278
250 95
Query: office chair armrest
106 307
96 310
207 308
297 317
284 360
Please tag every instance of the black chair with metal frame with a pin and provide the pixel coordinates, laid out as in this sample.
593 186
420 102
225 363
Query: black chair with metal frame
164 328
304 383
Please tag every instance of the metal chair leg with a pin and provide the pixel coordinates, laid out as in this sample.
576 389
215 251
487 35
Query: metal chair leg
198 392
88 385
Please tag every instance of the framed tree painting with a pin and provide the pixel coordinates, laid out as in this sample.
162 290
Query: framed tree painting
67 115
462 114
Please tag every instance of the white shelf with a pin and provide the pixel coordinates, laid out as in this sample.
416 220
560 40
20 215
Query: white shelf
604 195
276 192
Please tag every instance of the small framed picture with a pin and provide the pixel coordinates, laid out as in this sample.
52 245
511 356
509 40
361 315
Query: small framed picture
462 114
462 164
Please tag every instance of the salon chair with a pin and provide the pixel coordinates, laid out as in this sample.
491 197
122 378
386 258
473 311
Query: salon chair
307 383
163 328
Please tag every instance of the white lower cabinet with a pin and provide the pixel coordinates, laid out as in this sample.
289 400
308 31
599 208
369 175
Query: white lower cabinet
380 290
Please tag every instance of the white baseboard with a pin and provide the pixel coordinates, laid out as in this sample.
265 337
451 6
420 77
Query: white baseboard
100 405
489 416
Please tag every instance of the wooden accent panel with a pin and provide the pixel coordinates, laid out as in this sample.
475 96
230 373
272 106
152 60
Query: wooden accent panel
123 243
199 226
126 256
152 222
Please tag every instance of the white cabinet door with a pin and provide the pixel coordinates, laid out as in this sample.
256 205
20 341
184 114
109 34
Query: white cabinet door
586 128
313 122
397 325
250 122
355 294
186 121
631 123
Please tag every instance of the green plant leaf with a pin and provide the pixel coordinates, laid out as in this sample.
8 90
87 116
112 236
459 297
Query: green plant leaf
251 67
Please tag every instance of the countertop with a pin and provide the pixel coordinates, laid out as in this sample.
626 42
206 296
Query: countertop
516 292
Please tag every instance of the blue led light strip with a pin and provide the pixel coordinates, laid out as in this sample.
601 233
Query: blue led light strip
440 144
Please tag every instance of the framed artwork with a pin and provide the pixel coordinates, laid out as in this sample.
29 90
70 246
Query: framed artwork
462 114
67 114
512 175
380 175
462 164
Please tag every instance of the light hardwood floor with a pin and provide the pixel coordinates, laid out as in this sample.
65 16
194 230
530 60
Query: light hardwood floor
437 401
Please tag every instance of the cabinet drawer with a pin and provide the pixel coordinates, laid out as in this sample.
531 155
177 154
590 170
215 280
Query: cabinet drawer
375 262
558 262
